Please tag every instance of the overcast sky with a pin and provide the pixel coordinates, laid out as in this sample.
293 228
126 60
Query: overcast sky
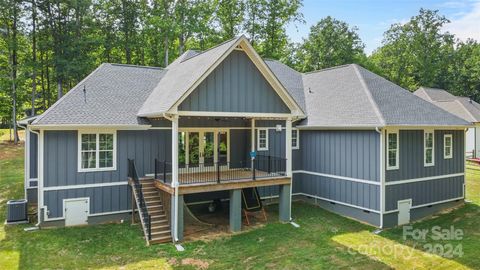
374 17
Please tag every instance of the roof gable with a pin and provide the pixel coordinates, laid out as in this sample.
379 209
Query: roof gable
236 85
183 77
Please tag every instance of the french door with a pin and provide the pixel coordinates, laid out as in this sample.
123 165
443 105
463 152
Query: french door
203 147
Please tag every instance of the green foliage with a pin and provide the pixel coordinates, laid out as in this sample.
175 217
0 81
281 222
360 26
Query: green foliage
330 43
419 53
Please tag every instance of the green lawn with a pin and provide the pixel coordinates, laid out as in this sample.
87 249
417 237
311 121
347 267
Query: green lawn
324 240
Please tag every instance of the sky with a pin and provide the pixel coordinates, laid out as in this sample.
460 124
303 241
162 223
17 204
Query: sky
374 17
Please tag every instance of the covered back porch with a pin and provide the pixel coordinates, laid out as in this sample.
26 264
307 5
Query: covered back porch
225 154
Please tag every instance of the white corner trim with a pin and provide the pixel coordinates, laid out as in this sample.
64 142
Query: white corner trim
338 202
110 184
370 182
413 180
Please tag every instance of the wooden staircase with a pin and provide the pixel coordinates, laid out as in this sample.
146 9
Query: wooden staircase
153 217
160 227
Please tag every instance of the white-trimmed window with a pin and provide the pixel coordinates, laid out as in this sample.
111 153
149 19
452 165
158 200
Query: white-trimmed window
96 151
428 148
295 139
392 150
262 139
447 146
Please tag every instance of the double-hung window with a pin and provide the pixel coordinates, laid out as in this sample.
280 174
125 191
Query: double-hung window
295 139
392 150
428 148
97 151
262 139
447 146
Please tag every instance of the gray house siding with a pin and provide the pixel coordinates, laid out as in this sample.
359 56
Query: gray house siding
33 155
411 156
61 148
102 199
354 154
236 85
424 192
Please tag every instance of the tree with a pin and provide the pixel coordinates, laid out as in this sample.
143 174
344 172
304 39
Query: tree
416 53
330 43
277 15
465 70
230 15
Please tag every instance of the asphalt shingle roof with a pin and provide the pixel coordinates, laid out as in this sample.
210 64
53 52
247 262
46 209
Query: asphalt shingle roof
462 107
344 96
113 95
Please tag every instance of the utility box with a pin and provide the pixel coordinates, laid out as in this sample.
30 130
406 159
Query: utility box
17 211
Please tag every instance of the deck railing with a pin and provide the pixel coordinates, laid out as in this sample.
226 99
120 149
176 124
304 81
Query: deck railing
137 188
217 172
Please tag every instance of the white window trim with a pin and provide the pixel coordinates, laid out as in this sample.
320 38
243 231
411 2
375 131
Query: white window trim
397 156
266 139
297 146
97 152
445 156
425 164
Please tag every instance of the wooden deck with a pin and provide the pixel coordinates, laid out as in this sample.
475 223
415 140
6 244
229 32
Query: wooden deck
207 181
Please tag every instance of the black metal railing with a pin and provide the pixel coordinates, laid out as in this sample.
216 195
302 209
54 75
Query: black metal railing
137 188
218 172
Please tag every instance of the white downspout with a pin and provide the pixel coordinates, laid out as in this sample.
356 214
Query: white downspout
39 174
382 174
174 120
288 154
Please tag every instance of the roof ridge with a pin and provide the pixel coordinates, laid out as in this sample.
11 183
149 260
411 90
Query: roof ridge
135 66
326 69
465 109
216 46
426 93
67 94
369 94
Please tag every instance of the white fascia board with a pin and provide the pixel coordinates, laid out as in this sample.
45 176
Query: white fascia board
90 126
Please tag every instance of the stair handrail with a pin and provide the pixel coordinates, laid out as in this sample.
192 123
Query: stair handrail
144 214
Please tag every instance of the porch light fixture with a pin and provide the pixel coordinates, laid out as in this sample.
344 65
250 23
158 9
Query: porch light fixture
278 128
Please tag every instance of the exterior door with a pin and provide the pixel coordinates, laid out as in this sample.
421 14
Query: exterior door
404 211
76 211
203 148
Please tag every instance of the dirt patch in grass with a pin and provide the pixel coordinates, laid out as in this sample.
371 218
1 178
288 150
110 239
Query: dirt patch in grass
8 150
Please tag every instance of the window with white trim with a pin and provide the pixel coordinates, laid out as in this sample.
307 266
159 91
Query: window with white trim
447 146
392 150
262 139
428 148
97 151
295 139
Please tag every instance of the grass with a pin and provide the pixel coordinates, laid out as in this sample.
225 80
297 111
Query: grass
324 240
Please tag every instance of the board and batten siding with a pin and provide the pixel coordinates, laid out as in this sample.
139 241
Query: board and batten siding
102 199
353 154
61 158
411 163
33 143
424 192
235 85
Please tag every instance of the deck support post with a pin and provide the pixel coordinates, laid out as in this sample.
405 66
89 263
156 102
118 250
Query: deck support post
180 226
235 210
285 203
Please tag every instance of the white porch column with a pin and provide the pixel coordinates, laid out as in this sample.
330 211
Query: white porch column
253 135
175 177
288 146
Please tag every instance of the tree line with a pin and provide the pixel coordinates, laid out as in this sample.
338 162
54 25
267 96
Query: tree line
47 46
